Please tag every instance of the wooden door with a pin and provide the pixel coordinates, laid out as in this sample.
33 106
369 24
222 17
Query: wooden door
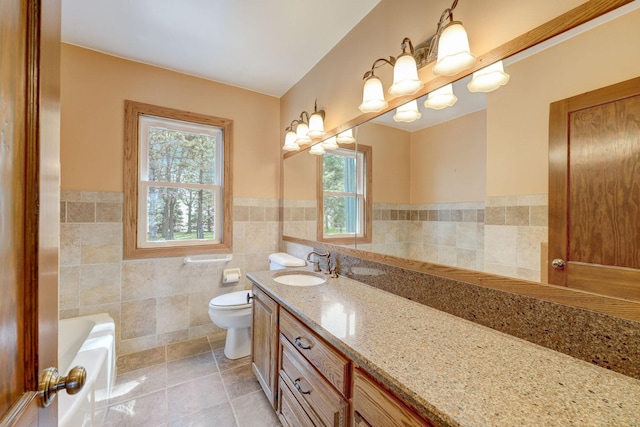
29 205
594 191
264 343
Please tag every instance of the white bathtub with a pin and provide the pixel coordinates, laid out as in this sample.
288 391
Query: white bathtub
87 341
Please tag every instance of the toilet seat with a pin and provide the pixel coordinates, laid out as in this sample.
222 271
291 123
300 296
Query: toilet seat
231 301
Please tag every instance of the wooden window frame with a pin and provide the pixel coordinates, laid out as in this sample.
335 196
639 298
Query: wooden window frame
367 151
131 249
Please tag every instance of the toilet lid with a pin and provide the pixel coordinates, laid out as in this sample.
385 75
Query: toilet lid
231 299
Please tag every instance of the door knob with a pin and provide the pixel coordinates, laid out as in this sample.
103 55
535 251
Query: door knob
558 264
51 382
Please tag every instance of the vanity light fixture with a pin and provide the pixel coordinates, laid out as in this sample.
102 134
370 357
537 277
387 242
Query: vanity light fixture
405 79
372 95
441 98
290 140
408 112
488 78
316 123
346 137
453 54
303 130
405 72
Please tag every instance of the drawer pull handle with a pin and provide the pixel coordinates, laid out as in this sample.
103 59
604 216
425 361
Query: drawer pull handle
297 384
301 345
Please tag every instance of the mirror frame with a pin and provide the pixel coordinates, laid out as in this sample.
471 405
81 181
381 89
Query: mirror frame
557 294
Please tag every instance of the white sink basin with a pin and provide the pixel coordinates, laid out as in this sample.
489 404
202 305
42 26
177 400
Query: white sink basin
300 279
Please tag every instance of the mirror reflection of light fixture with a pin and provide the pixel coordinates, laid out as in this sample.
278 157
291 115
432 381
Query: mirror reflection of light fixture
441 98
330 143
405 72
408 112
317 150
451 46
488 78
346 137
303 130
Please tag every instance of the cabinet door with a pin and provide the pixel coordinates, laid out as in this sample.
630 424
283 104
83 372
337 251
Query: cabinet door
264 343
374 406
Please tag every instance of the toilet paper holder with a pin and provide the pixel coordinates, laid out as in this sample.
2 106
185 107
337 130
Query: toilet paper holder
231 275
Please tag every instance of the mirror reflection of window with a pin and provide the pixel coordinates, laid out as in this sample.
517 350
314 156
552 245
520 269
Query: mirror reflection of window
343 213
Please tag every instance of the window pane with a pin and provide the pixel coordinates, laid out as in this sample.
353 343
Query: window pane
340 215
339 173
181 157
180 214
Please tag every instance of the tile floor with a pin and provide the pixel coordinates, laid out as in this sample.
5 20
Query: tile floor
206 389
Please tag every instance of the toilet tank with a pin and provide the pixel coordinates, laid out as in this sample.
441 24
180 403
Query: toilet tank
281 260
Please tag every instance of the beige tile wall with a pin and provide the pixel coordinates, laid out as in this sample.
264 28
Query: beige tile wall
444 233
515 228
153 301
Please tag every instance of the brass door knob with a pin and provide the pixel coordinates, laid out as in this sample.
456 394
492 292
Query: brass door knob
558 264
51 382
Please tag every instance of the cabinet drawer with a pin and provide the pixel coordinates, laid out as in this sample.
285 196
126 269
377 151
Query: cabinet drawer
290 412
373 405
326 360
315 394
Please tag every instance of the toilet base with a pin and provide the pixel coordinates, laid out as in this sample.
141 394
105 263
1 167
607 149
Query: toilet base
237 343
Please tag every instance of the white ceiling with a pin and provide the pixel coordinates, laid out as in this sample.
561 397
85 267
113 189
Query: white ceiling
262 45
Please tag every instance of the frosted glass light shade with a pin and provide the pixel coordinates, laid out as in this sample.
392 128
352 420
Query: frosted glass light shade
488 78
373 96
405 76
317 150
302 134
330 143
290 142
408 112
316 126
346 137
441 98
453 51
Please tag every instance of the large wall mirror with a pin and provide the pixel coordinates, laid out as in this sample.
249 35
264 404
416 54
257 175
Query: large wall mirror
467 186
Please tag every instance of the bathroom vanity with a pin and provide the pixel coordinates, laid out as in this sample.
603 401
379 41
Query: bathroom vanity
344 353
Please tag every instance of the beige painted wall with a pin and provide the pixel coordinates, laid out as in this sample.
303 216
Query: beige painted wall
336 81
518 113
390 154
300 172
448 161
93 89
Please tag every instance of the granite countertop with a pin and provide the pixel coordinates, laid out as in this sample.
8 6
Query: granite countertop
454 371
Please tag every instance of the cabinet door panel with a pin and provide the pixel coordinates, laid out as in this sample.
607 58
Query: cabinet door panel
372 405
264 343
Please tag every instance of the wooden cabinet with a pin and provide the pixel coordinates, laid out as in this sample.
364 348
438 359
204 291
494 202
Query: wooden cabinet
309 382
335 367
373 405
322 403
264 343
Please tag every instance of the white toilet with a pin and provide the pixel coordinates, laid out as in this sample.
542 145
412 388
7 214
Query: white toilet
232 311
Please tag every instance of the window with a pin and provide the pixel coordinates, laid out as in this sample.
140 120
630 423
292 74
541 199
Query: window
177 180
344 202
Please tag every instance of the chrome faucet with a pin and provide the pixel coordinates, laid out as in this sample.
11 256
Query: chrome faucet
317 261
